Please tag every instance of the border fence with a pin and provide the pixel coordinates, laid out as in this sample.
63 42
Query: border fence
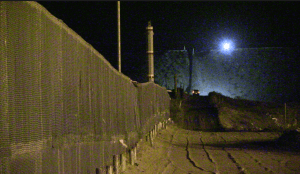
63 107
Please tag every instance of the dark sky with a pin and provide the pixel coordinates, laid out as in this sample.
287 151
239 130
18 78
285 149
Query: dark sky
194 24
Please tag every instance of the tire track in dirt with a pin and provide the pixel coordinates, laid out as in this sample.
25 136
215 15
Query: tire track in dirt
207 154
171 167
255 159
169 152
191 161
241 169
258 162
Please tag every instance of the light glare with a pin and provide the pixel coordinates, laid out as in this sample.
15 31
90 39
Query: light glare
226 46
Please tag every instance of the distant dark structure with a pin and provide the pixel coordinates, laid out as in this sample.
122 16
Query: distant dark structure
171 63
263 74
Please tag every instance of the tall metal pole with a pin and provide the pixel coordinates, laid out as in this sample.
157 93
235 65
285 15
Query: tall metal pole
119 36
175 85
284 114
150 52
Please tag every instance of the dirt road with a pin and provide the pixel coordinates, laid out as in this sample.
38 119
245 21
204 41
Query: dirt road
181 151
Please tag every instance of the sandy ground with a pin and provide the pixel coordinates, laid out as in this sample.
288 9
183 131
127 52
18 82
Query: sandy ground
181 151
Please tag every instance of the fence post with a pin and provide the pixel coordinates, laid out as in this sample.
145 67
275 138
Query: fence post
131 156
109 170
151 138
116 163
123 162
134 152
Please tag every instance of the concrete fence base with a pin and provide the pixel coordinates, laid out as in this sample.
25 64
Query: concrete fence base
120 161
153 133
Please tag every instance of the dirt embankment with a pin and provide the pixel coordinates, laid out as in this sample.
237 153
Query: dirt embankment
217 112
195 113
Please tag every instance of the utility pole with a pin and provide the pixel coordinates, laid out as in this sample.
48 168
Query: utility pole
150 52
175 85
284 114
119 36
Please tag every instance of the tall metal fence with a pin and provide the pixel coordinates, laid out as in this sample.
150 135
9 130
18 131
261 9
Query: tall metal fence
63 107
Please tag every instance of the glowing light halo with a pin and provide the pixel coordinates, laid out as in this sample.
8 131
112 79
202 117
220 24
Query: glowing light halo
226 46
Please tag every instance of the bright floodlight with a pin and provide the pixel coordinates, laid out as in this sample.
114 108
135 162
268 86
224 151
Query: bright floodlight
226 46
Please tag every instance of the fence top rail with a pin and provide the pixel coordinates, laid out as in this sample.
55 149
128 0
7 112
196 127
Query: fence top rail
64 26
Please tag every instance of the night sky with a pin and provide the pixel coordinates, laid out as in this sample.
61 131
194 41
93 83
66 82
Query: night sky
199 25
